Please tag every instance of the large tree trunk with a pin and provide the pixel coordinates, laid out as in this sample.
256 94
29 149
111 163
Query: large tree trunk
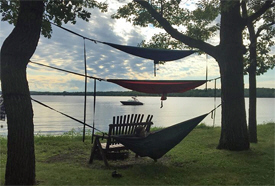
229 55
16 51
234 134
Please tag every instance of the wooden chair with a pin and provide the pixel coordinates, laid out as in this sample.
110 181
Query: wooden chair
122 125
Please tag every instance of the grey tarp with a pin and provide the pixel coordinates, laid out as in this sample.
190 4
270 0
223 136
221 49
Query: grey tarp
158 143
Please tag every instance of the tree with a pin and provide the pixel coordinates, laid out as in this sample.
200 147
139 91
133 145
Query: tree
29 17
228 53
14 58
258 61
252 59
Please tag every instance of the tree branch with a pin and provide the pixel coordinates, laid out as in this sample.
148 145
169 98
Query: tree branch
244 9
207 48
268 4
263 27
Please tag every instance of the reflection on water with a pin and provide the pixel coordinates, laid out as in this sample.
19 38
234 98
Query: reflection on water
175 110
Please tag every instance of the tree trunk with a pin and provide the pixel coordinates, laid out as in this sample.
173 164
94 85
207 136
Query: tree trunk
16 51
252 119
234 134
252 124
229 55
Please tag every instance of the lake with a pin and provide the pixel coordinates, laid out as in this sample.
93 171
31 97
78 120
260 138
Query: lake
175 110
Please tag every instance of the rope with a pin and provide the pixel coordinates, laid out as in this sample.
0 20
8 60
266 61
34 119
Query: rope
93 40
214 109
91 77
66 115
214 79
71 72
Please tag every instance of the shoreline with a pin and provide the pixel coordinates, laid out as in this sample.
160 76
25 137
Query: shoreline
261 93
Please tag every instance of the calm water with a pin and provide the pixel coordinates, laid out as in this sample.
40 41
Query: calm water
175 110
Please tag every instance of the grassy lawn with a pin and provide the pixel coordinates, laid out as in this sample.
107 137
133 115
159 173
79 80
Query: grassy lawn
63 160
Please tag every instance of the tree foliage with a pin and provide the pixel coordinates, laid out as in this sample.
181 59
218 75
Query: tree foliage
265 60
198 24
57 11
264 35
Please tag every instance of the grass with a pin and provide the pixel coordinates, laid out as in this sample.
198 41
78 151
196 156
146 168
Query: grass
63 160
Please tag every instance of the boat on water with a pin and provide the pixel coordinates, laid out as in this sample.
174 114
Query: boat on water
133 101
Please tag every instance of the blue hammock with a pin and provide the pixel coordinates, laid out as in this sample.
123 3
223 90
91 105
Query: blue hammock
152 53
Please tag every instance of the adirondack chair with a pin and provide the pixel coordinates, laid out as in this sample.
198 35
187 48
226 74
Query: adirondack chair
122 125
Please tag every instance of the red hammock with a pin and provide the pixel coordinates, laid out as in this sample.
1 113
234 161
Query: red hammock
159 86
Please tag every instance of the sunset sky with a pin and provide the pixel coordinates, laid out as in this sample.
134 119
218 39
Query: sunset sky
65 50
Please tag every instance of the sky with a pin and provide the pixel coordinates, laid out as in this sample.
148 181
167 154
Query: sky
66 51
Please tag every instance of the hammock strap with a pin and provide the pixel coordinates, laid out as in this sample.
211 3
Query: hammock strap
93 40
66 115
214 79
214 110
71 72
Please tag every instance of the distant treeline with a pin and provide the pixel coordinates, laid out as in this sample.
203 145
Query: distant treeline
261 92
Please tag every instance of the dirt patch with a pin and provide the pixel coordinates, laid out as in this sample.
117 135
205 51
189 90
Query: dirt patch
129 162
83 159
59 158
72 156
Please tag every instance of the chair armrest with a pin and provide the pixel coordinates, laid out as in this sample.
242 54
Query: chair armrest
101 136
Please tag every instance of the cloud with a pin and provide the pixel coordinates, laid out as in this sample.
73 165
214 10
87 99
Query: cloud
65 50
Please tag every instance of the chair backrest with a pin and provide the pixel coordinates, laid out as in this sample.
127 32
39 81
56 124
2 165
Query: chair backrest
126 125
